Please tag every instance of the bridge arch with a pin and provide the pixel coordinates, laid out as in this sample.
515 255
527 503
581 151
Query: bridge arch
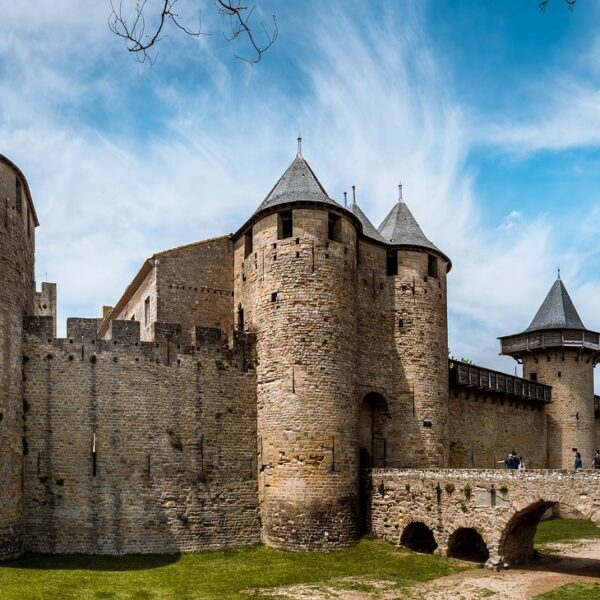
468 543
419 537
516 543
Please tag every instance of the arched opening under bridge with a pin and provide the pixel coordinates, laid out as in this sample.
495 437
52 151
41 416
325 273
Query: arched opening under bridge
418 537
466 543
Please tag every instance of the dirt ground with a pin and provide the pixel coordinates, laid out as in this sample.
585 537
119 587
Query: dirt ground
577 561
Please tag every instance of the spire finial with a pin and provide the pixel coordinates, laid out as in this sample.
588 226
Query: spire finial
559 272
400 193
353 194
299 145
345 198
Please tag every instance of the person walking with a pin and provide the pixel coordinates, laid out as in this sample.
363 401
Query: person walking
578 461
597 460
521 464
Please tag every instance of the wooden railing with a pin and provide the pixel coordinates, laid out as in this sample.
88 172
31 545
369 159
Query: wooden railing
539 340
472 376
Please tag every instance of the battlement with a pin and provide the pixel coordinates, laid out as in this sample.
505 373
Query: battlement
82 343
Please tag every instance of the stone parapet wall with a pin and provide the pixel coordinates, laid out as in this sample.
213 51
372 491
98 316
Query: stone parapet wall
137 447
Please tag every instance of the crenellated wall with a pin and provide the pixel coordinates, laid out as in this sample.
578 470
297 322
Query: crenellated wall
174 434
17 290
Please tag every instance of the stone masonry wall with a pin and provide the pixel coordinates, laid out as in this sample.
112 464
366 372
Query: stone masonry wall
503 507
135 309
17 289
483 428
195 286
298 295
174 431
570 415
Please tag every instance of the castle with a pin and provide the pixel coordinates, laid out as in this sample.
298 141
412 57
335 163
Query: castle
241 385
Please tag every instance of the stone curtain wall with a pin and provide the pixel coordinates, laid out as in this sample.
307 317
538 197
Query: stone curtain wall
484 428
17 289
175 445
298 295
570 415
504 507
195 286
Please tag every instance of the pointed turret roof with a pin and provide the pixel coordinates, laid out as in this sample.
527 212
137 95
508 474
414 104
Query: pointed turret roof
557 311
297 184
368 227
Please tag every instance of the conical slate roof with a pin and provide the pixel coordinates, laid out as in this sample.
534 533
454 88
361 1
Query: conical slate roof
297 184
401 228
557 311
368 227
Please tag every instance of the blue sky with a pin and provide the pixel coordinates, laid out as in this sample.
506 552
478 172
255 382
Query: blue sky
488 112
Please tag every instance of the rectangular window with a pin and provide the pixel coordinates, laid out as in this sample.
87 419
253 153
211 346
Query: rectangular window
432 266
147 311
334 228
533 376
285 225
19 197
248 244
392 263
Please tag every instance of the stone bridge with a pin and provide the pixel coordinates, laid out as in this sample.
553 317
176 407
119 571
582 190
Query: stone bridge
479 514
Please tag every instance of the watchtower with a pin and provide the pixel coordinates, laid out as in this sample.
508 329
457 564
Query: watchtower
294 271
557 349
420 314
17 288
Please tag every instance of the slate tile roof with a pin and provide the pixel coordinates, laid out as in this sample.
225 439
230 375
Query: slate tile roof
557 311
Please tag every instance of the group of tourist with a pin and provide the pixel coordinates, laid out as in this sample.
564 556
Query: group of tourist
579 461
512 461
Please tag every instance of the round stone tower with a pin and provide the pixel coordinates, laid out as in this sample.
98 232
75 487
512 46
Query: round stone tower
557 349
17 288
295 287
419 270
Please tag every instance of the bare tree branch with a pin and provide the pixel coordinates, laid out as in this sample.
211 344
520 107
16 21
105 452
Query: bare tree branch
134 32
239 22
543 4
141 38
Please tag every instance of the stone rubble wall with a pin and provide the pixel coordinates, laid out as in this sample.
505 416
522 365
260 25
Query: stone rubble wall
484 427
174 430
503 506
17 292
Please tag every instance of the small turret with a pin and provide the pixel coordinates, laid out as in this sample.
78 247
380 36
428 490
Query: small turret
557 349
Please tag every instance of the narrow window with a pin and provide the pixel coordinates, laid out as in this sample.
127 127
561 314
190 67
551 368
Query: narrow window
533 376
273 296
19 197
432 266
147 311
248 244
334 228
94 463
133 317
285 225
392 263
240 312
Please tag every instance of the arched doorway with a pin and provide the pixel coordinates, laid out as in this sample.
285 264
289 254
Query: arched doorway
466 543
418 537
372 420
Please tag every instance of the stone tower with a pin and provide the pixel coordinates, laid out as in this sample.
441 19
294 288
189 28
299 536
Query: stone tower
17 287
557 349
294 269
420 313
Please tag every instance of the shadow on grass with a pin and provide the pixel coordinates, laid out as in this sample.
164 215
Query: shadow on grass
90 562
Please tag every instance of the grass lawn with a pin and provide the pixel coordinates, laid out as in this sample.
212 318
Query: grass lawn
573 591
218 574
563 530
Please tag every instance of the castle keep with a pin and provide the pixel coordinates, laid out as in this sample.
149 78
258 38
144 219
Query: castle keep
241 385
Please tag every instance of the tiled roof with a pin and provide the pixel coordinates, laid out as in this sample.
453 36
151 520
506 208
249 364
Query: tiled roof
297 184
557 311
368 227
